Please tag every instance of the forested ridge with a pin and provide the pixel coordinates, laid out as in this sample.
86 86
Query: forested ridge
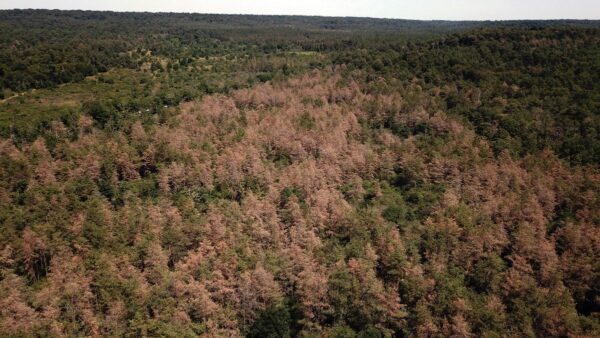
192 175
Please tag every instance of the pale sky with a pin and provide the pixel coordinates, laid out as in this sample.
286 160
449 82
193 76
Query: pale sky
403 9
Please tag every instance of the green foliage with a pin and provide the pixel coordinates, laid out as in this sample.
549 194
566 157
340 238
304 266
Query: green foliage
272 322
501 81
99 111
306 121
38 59
486 274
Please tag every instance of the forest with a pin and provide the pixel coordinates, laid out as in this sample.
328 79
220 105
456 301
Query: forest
185 175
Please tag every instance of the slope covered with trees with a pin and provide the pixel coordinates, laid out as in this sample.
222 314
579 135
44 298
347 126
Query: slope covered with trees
380 186
281 210
524 90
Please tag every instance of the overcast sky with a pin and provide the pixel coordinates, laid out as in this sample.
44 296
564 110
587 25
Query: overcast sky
406 9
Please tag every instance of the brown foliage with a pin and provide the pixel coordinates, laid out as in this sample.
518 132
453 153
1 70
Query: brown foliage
273 192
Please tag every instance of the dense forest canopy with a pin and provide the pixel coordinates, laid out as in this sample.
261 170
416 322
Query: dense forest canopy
82 43
170 174
525 90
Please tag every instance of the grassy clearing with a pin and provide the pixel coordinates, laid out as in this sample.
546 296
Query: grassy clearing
159 82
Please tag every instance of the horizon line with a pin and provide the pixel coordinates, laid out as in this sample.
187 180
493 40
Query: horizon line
293 15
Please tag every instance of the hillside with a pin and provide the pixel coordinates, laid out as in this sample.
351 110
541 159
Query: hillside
411 179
